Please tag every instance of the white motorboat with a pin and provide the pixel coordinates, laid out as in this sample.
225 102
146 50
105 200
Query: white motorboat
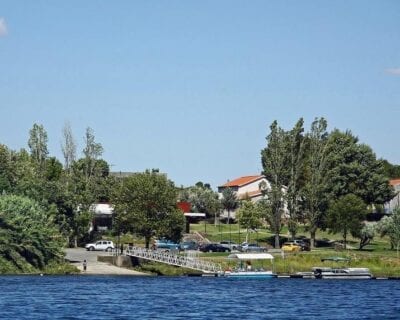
341 273
245 270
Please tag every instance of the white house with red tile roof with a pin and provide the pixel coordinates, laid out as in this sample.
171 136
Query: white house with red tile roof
395 202
245 187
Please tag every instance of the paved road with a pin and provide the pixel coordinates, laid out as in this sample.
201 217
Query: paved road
76 257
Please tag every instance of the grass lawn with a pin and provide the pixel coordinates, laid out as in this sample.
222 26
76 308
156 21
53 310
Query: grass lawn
377 256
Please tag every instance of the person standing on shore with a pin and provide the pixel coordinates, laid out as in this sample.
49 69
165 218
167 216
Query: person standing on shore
84 265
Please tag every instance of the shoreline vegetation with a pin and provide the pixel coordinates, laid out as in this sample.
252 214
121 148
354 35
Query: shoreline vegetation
315 180
377 256
381 261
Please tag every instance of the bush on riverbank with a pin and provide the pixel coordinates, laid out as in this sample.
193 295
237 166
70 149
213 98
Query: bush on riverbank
29 238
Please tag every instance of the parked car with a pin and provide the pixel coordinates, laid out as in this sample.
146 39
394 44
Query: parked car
102 245
291 247
188 245
166 244
229 244
251 247
213 247
304 245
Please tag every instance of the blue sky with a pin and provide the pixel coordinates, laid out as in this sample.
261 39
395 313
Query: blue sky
191 87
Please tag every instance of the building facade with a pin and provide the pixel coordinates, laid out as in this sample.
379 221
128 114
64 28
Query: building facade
395 202
247 187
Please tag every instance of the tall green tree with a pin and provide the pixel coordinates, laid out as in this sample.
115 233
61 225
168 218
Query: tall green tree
352 168
346 216
145 203
38 144
296 148
274 163
316 182
68 147
6 170
92 152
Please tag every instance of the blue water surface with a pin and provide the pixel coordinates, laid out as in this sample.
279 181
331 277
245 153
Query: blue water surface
118 297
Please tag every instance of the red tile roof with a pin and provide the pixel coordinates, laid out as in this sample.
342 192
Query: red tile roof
242 181
394 182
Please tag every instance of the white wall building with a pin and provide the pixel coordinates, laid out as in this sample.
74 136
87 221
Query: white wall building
245 187
395 202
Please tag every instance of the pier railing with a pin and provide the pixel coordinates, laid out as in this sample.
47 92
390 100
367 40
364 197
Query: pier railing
186 261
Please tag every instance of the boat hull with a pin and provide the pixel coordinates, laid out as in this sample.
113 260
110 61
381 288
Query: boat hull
250 275
327 276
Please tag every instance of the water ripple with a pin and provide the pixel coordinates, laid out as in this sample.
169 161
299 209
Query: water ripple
108 297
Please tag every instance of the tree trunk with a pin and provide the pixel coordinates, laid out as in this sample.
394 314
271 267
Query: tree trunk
277 244
313 232
147 241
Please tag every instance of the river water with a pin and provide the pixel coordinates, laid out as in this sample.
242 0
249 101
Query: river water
119 297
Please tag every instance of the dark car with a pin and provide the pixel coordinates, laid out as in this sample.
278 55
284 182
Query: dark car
213 247
304 245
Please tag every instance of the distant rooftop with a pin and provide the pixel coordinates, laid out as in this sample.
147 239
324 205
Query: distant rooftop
394 182
242 181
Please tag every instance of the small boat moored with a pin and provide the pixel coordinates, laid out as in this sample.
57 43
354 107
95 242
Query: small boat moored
247 271
341 273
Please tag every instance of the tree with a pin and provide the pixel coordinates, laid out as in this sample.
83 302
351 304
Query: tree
145 203
392 171
390 226
353 168
27 180
29 240
315 197
345 215
38 144
296 171
229 202
68 147
204 199
366 234
249 215
6 170
92 152
273 159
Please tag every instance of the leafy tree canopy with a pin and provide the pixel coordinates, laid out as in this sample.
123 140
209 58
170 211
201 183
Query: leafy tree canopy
145 203
352 168
346 215
29 239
